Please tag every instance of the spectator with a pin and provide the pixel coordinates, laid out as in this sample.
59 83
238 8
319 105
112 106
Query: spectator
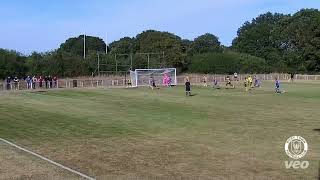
46 81
8 82
28 81
50 81
34 82
40 81
55 82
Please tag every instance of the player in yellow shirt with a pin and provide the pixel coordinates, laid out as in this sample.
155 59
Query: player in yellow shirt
250 80
246 82
204 80
129 83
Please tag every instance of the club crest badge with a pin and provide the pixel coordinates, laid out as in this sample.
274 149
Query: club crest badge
296 147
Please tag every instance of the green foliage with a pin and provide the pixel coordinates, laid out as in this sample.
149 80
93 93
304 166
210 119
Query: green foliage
12 63
299 40
123 46
158 42
255 37
186 45
75 45
226 62
36 63
59 63
163 134
287 42
205 43
167 48
269 43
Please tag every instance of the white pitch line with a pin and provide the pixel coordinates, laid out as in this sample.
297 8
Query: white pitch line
48 160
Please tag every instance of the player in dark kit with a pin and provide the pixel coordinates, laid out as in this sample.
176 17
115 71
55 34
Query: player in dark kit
16 83
152 83
188 87
291 77
277 84
228 82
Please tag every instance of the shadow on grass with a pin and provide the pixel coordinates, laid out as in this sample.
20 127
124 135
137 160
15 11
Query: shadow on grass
38 92
193 95
317 130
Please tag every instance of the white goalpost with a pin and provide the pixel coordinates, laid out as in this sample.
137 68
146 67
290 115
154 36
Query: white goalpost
161 77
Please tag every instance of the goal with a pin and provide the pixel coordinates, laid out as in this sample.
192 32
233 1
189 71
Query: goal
161 77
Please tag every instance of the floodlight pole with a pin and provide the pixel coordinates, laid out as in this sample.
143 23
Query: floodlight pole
175 74
163 59
84 45
115 57
98 64
131 61
106 43
148 61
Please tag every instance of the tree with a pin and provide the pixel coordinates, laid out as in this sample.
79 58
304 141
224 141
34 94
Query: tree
257 38
123 46
226 62
269 43
205 43
75 45
12 63
186 45
35 63
158 42
299 40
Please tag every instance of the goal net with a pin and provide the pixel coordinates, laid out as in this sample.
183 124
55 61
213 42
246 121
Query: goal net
161 77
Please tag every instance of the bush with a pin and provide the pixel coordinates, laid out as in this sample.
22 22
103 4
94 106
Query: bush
12 63
227 62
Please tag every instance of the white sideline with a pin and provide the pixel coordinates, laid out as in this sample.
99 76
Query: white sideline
48 160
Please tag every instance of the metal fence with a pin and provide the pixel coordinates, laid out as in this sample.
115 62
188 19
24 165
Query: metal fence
198 78
120 81
64 83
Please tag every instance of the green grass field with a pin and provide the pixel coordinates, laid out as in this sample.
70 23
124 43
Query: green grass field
162 134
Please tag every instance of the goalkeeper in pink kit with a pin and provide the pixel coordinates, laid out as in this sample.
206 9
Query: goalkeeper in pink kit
166 80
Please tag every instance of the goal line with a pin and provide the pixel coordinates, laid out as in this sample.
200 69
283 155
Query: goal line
48 160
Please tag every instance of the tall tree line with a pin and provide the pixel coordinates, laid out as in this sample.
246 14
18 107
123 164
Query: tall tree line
286 42
271 42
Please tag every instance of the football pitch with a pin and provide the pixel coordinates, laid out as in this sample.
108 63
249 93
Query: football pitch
160 134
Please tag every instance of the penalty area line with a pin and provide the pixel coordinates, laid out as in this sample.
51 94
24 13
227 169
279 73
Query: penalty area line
48 160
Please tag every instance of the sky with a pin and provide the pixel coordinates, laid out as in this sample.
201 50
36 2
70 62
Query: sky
39 25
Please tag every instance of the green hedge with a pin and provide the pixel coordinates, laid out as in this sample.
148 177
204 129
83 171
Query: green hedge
227 62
